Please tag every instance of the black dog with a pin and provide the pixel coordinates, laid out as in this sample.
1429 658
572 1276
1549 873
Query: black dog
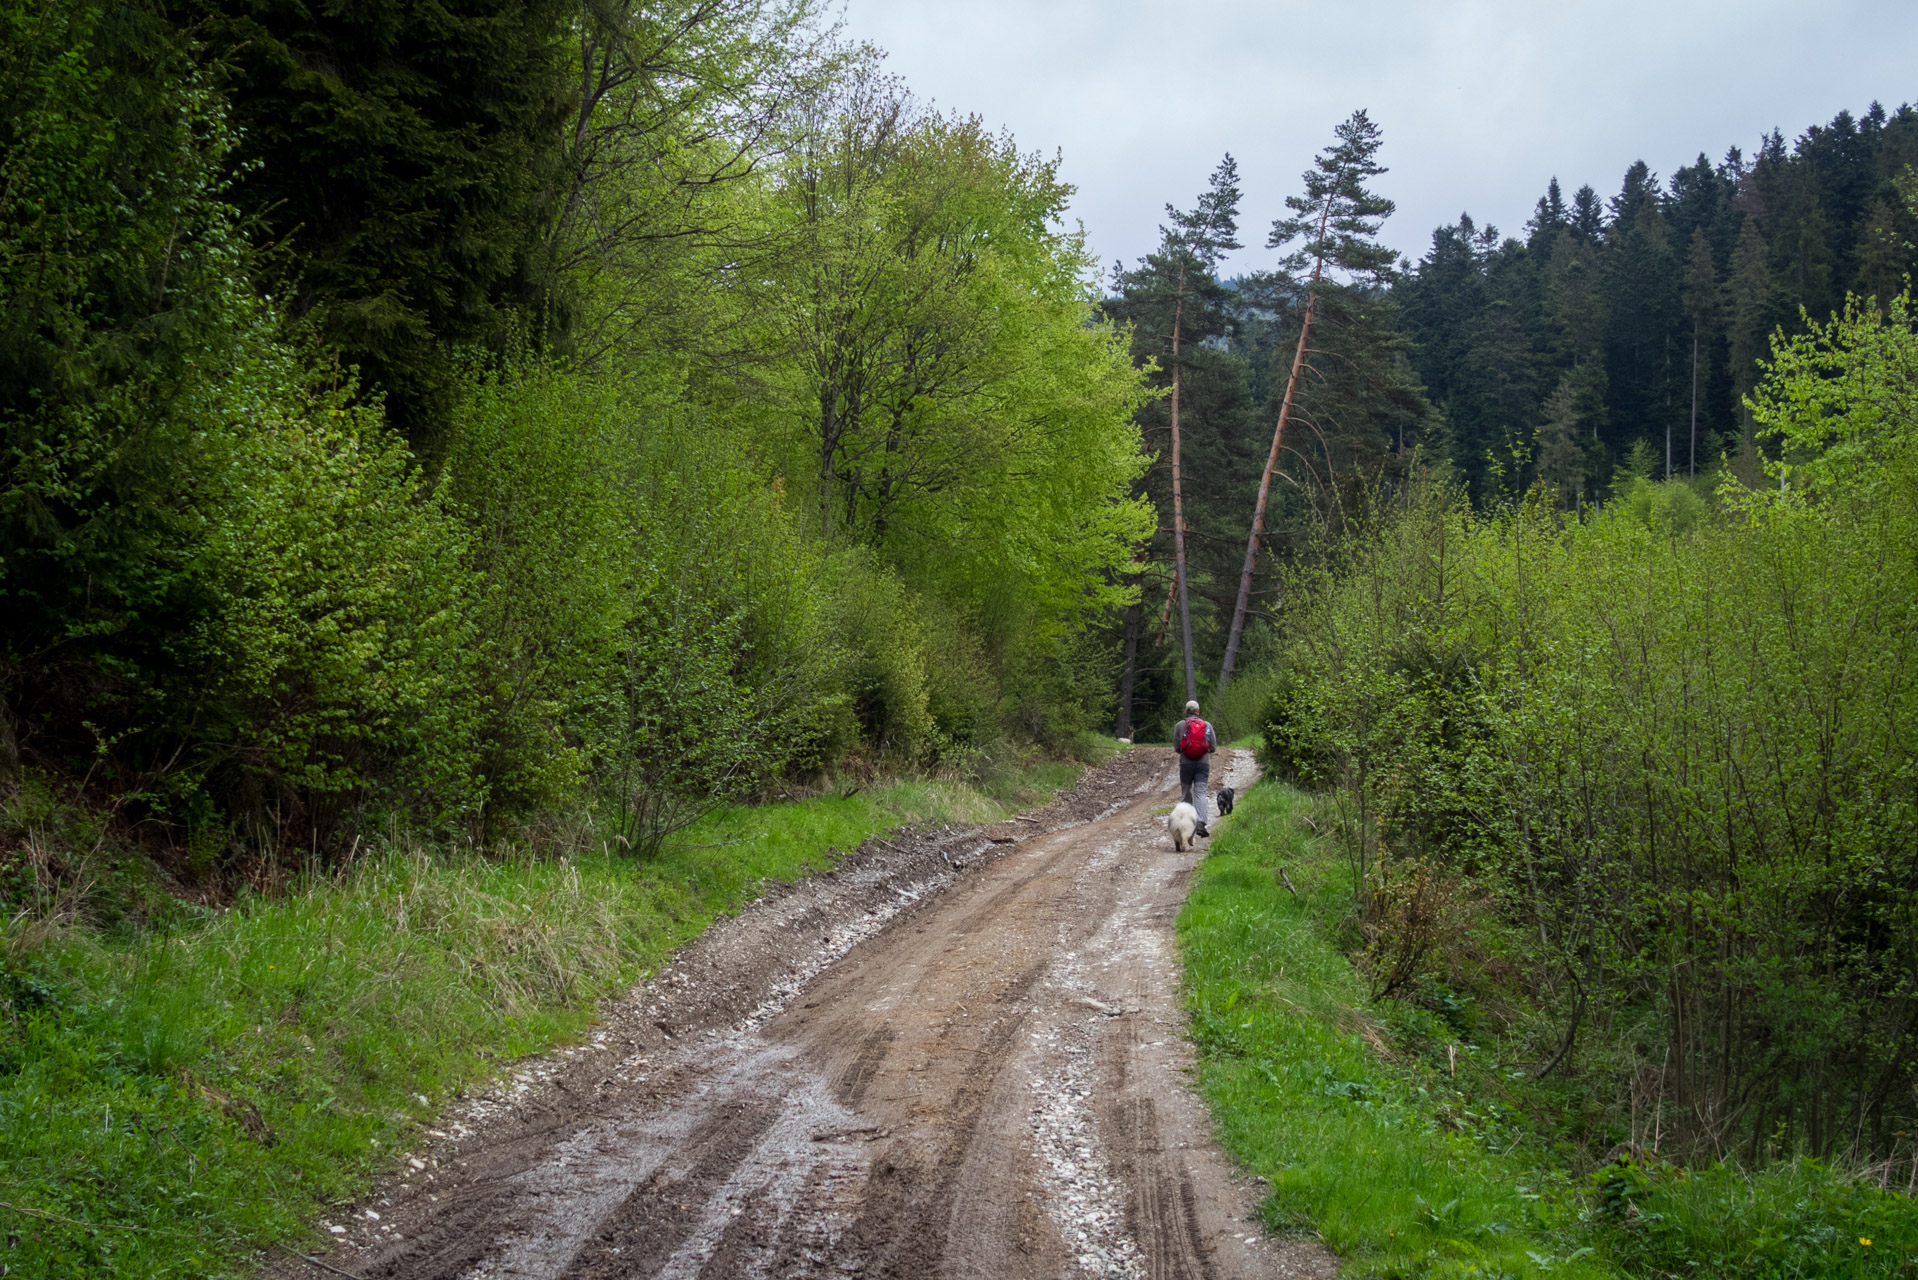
1225 801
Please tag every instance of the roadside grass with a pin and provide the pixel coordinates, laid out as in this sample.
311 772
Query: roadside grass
174 1099
1353 1115
1350 1144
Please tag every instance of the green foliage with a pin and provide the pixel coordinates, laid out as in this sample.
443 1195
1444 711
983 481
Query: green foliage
1404 1137
220 572
407 162
1667 751
237 607
950 400
1838 399
1390 1167
1795 1221
632 570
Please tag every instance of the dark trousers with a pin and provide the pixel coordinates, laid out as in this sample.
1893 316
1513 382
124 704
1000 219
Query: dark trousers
1193 777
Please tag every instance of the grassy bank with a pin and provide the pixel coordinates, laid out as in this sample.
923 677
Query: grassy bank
1304 1098
1410 1161
175 1097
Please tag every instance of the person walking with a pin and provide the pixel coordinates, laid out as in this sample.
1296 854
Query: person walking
1195 742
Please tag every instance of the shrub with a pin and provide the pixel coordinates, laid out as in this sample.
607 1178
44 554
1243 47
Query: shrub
1671 749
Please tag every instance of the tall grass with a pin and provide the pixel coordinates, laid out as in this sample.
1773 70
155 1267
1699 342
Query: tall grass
174 1099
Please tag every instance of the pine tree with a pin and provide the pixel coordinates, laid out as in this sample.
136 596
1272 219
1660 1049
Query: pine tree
1338 221
1197 242
1175 300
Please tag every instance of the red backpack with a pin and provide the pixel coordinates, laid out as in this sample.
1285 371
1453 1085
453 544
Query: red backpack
1191 742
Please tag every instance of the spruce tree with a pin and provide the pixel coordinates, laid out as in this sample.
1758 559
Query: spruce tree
404 155
1748 310
1701 308
1561 453
1588 214
1880 255
1803 261
1646 319
1549 218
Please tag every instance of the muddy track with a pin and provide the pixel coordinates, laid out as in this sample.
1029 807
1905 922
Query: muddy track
961 1053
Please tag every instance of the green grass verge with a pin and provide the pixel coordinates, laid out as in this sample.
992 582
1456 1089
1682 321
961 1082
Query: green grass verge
174 1099
1352 1115
1350 1146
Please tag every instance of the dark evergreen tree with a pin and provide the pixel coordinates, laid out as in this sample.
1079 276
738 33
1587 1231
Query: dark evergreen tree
1802 256
1550 218
1749 308
1881 256
1643 341
404 156
1700 300
1588 215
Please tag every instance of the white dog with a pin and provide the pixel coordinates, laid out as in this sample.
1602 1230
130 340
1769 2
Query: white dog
1183 822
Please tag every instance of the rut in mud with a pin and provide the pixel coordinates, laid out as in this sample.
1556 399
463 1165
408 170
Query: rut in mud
959 1054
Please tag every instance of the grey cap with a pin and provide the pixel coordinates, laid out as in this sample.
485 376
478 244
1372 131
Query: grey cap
1192 708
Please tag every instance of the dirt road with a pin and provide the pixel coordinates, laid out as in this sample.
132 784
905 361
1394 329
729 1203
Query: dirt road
959 1055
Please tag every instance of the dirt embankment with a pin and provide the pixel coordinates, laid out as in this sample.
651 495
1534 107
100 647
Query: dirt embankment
958 1054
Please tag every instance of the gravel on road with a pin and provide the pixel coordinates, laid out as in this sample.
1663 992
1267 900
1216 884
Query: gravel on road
959 1053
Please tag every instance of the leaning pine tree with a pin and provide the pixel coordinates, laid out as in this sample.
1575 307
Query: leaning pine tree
1184 273
1339 220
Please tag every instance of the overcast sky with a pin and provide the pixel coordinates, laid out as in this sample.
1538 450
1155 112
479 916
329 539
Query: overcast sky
1480 101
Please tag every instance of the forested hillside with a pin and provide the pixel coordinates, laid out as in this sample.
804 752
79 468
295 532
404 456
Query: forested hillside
1643 316
482 418
1616 340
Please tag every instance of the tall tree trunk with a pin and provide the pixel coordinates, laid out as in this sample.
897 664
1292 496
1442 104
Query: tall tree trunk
1165 614
1265 489
1134 621
1668 409
1272 458
1178 504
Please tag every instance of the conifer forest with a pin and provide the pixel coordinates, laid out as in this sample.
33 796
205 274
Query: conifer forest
515 429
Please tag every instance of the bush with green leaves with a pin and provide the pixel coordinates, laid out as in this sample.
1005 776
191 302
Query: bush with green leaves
1672 748
240 615
222 578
